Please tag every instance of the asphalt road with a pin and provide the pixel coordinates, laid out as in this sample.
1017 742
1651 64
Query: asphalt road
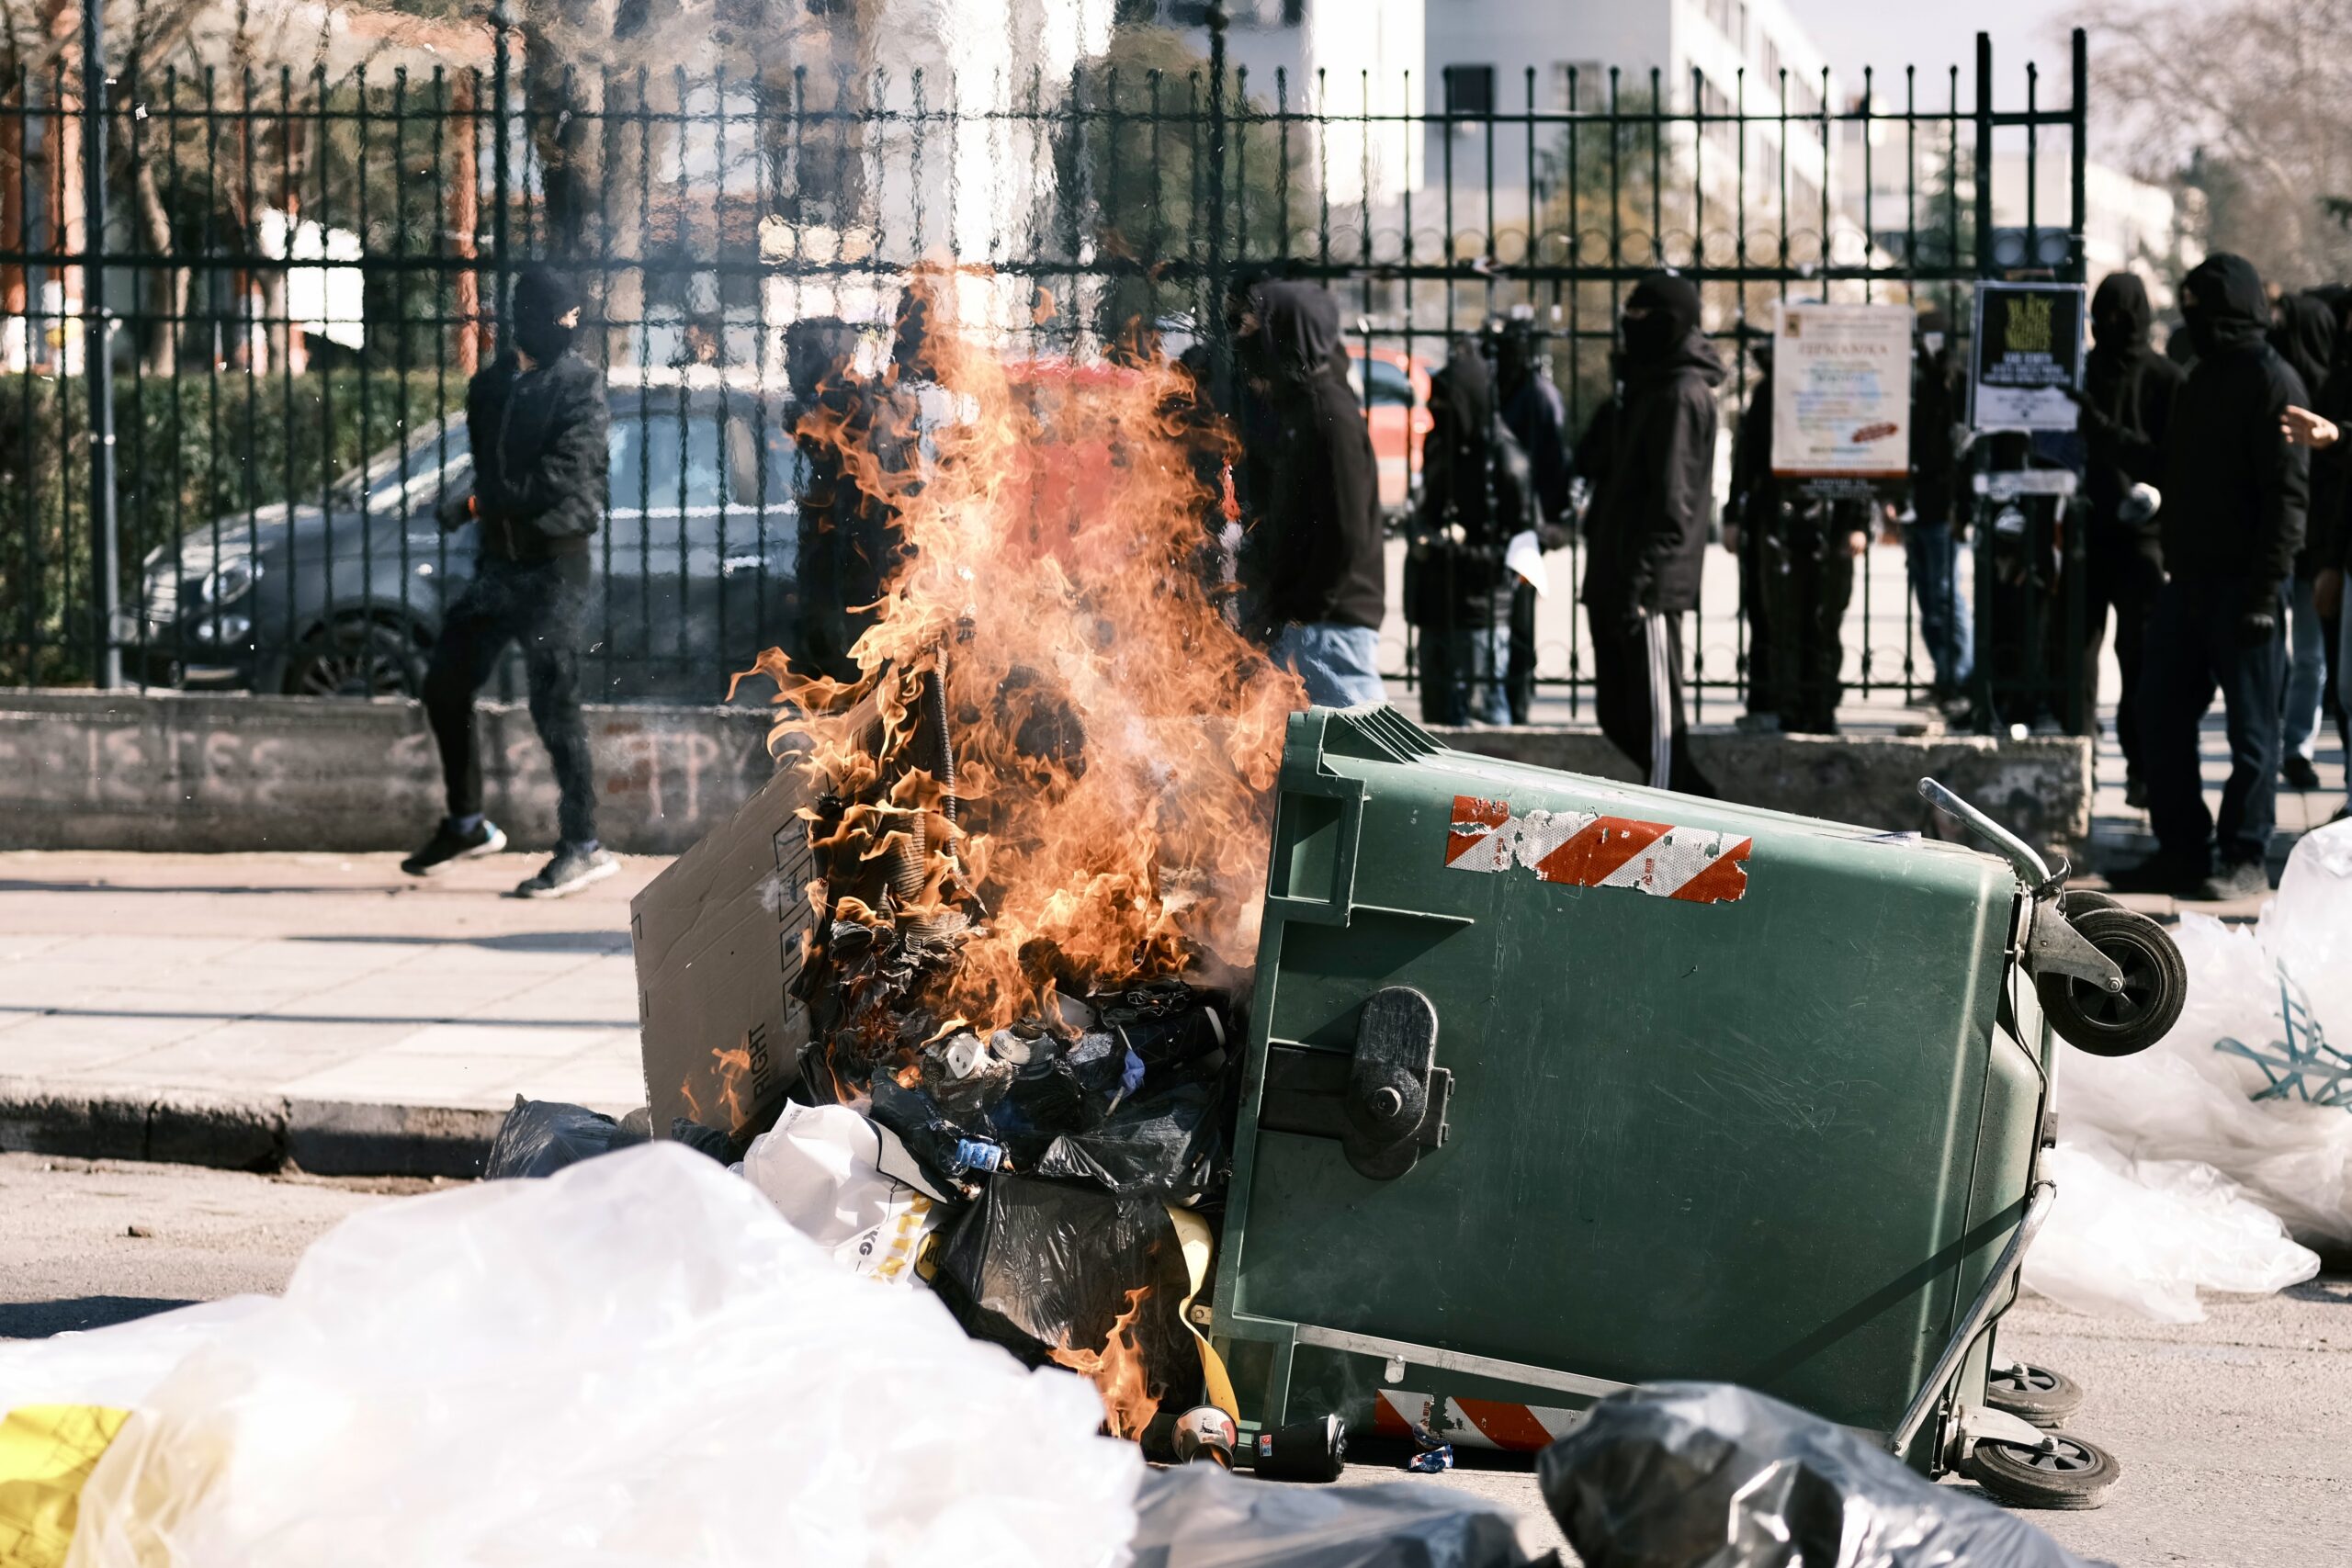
2235 1434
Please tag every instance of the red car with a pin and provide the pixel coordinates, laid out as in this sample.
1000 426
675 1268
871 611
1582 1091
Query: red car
1398 411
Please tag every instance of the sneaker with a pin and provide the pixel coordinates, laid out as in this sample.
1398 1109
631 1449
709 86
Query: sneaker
2299 774
568 872
2159 872
2235 880
448 844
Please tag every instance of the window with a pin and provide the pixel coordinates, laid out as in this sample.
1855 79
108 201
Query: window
1294 13
1469 90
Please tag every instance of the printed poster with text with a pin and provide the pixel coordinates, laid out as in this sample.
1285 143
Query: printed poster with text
1841 392
2027 354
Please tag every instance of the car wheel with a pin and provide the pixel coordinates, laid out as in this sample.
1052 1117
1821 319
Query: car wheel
356 658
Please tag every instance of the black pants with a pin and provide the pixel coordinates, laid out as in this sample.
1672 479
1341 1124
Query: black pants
1637 694
2193 649
2124 573
543 606
1521 688
1806 575
1763 696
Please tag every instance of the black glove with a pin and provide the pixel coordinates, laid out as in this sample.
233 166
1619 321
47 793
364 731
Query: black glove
455 509
2257 627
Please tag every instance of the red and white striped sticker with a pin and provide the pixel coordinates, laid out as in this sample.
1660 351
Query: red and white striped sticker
1585 849
1471 1422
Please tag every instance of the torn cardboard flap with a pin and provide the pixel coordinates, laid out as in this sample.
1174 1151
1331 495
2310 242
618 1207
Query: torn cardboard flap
718 940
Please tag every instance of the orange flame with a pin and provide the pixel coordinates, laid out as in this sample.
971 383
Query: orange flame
734 1066
1117 1373
1115 741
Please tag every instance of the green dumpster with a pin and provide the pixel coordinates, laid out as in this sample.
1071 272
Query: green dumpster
1557 1085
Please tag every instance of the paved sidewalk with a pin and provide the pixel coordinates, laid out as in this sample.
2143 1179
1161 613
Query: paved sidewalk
315 977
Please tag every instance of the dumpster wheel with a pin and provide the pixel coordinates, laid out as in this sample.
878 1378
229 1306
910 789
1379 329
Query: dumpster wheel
2118 1023
2033 1394
2072 1474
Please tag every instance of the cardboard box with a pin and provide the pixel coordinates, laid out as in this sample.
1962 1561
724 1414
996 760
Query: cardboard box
719 938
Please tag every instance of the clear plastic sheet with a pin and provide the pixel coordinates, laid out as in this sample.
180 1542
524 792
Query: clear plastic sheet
634 1361
1710 1475
1198 1516
2254 1080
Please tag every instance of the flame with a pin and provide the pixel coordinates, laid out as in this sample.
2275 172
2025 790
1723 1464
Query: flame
1117 1372
734 1066
1114 741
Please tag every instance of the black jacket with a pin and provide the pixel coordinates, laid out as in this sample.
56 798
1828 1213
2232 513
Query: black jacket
1646 532
1315 554
2128 387
539 441
1478 492
1935 466
2234 493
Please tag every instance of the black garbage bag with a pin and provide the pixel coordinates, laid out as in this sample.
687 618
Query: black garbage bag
1163 1146
540 1137
953 1158
704 1140
1710 1475
1035 1266
1198 1515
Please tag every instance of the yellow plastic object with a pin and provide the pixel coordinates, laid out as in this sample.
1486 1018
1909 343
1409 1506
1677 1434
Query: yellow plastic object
47 1451
1192 1234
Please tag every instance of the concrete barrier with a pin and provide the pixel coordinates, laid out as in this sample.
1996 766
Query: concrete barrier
212 773
2039 788
215 774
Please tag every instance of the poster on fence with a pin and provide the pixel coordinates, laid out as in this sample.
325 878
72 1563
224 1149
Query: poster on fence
2027 356
1841 392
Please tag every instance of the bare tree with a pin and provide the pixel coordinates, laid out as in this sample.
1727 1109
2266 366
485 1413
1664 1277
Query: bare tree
2248 102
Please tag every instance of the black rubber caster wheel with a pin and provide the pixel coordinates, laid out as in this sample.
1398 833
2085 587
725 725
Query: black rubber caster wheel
2118 1023
2074 1474
2033 1394
2080 901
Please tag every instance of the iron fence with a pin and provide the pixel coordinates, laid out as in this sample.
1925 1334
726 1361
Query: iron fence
295 272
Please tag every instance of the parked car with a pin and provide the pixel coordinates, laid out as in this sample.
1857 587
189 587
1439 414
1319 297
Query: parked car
694 566
1395 388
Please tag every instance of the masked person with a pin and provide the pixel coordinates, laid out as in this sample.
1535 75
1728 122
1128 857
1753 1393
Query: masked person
2326 536
1800 551
2128 387
1753 489
1533 413
1932 542
2235 494
846 549
535 423
1474 499
1646 529
2302 330
1313 574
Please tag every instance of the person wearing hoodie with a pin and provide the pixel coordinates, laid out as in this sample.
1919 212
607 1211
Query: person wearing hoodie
1538 421
1647 530
2129 389
2235 492
1939 516
1313 572
1475 495
536 422
2302 330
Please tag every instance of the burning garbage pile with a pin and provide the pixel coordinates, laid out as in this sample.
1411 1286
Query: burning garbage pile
1037 821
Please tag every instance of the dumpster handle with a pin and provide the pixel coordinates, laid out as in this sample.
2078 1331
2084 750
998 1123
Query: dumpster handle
2037 1209
2021 854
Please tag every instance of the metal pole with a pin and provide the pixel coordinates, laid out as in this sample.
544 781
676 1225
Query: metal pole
502 22
98 370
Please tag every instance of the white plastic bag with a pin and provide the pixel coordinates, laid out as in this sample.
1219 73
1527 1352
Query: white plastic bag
636 1361
2145 1236
822 1166
2255 1080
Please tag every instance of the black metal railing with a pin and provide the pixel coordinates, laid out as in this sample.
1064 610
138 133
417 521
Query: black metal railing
295 272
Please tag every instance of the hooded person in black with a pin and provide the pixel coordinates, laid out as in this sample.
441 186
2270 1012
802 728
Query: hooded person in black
536 424
2303 330
1932 542
1475 495
847 548
2327 536
2129 388
1646 529
1312 566
1531 411
2235 498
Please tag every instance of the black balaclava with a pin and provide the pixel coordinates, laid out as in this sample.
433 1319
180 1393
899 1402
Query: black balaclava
1298 335
1514 355
1672 303
817 353
542 298
2222 302
2306 337
2120 314
1461 400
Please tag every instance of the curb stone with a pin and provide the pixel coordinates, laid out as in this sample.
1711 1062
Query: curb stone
255 1132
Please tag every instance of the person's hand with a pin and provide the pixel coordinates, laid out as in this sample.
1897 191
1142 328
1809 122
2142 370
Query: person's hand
1858 542
2256 627
2328 592
2303 428
1731 537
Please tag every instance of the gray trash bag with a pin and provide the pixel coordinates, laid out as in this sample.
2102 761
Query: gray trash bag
540 1137
1197 1516
1710 1475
